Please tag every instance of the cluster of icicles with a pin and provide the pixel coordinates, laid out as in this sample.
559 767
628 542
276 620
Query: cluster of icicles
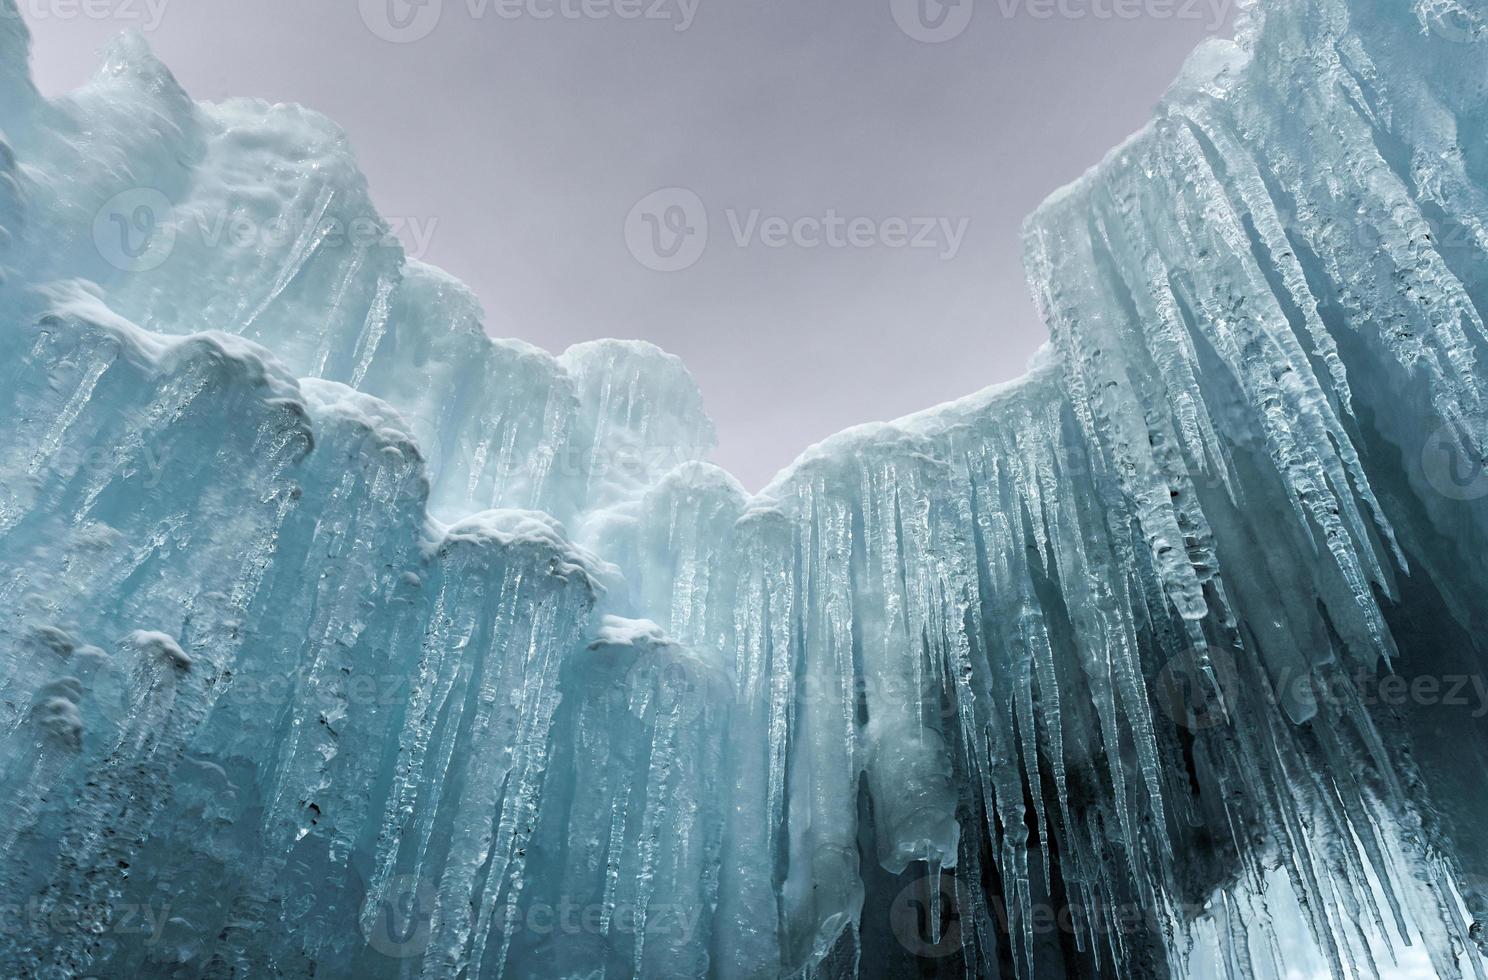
337 639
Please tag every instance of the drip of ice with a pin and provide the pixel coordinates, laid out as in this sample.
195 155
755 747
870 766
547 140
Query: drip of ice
339 640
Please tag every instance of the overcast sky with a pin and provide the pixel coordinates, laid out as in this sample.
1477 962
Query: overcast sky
842 181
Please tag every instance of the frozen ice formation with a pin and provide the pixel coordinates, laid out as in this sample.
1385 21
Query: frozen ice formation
339 640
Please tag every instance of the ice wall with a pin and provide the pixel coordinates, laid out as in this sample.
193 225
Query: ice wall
337 639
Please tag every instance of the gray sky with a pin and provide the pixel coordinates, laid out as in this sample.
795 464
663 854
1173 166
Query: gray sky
519 147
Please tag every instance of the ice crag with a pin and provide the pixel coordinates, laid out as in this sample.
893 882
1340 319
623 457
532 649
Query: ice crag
339 640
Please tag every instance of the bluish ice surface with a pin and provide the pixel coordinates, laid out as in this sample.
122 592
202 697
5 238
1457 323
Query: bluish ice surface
340 640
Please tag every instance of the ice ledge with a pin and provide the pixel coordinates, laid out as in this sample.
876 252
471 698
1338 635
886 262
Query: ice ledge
1211 69
614 631
81 302
530 533
331 399
916 433
535 535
